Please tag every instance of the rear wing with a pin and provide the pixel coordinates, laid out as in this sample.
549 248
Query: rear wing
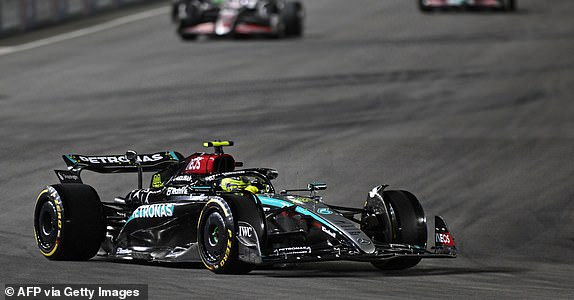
120 163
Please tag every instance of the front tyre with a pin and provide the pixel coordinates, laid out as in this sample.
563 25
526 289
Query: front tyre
188 15
181 30
69 222
293 17
187 36
510 5
408 226
218 246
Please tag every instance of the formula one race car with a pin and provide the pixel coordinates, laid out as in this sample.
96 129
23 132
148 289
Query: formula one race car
201 208
271 18
429 5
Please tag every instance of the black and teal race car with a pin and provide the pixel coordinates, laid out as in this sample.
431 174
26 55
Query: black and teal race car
205 207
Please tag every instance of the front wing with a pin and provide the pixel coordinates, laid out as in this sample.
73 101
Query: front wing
444 247
383 252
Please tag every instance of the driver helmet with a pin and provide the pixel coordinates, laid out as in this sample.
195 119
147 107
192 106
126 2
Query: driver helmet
231 184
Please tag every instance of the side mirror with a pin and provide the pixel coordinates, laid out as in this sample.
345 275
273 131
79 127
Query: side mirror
132 156
271 174
316 186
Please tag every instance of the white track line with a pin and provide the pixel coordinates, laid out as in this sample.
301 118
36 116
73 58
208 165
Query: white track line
85 31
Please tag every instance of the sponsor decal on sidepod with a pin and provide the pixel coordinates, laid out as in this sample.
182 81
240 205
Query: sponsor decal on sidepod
153 211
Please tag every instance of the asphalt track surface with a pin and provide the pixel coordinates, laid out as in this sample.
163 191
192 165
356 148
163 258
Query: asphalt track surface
472 112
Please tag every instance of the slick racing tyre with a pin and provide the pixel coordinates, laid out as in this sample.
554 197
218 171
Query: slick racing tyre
187 36
510 5
184 36
409 227
218 246
69 222
189 18
293 16
423 6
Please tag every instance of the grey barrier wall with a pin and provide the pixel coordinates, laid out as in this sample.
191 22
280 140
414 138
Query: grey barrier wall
21 15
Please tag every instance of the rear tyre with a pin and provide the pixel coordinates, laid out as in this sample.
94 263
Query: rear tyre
293 16
191 17
510 5
175 12
183 24
218 246
409 227
187 37
69 222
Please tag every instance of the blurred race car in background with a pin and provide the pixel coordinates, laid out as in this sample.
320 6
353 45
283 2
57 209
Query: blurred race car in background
429 5
271 18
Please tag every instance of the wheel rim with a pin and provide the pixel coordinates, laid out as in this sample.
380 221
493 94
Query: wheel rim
47 225
214 237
